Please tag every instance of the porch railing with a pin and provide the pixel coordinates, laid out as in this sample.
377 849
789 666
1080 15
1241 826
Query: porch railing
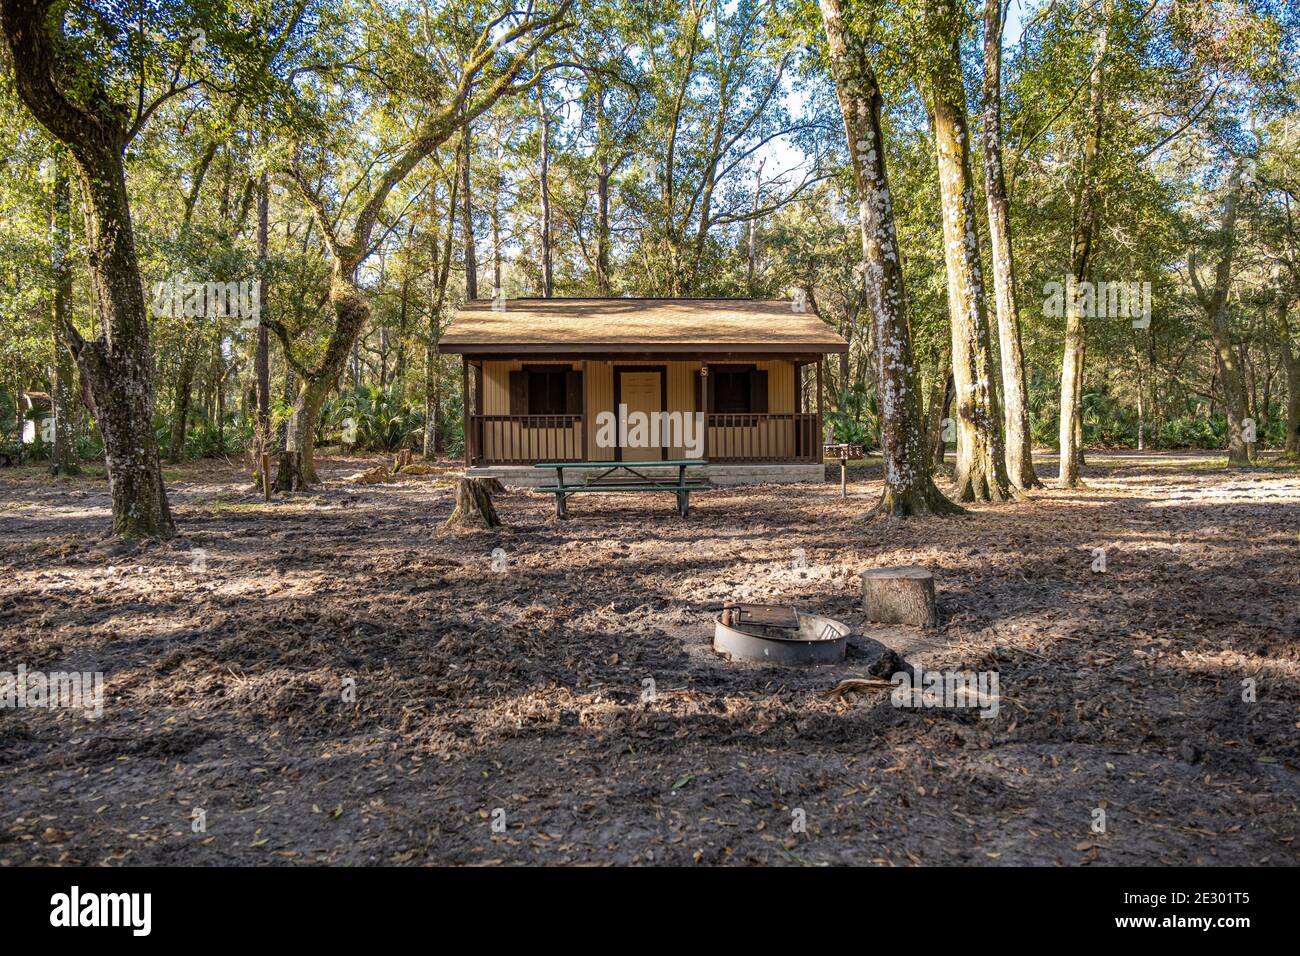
523 439
762 437
749 437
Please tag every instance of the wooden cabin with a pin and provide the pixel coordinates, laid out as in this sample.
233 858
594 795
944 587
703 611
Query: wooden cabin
561 379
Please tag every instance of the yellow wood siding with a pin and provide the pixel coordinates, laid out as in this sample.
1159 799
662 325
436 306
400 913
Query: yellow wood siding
509 441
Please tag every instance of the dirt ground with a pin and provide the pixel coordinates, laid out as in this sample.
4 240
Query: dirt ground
337 678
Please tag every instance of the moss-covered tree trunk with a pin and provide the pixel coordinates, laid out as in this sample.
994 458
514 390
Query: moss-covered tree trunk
1015 396
438 300
909 488
1087 214
182 389
119 362
350 314
262 349
485 77
544 190
1291 363
63 385
981 473
1215 303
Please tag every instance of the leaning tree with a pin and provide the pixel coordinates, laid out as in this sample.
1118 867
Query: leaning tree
461 85
76 89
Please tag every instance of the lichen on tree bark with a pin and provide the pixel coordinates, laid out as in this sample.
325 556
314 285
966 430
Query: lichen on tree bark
981 473
119 362
909 487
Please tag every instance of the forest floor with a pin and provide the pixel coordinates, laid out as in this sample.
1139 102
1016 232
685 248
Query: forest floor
338 678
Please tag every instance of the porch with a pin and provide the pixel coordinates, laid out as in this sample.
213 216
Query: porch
522 412
735 382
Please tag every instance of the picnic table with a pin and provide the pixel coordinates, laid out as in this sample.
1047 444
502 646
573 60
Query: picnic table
626 476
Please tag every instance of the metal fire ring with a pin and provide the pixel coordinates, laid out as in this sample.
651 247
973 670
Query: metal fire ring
777 634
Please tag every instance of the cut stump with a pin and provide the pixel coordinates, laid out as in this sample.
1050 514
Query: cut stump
288 472
474 507
901 595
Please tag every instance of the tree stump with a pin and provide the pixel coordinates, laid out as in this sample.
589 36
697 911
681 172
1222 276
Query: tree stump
493 486
402 460
288 472
474 504
902 595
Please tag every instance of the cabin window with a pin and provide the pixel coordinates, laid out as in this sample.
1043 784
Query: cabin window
546 390
731 392
737 390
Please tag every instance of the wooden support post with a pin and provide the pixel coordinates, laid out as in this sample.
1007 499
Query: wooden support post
704 404
464 401
818 433
478 410
586 412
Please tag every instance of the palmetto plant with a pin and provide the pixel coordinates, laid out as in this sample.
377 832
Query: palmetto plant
372 419
857 422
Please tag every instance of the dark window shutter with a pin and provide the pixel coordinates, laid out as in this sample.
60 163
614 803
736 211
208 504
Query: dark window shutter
758 391
573 393
519 393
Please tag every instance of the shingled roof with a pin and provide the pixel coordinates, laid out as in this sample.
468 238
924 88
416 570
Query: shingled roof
538 326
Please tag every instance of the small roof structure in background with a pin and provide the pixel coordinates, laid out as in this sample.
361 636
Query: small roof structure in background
539 326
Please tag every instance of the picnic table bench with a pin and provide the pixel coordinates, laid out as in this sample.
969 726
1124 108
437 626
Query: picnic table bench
618 476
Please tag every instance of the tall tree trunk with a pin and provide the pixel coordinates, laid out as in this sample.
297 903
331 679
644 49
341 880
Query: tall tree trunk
429 440
752 265
181 391
1086 216
1079 451
1015 396
981 473
467 212
120 361
287 396
1291 364
262 354
604 280
64 458
941 394
496 248
221 405
403 321
909 488
604 283
544 180
438 298
1215 303
498 187
1141 402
